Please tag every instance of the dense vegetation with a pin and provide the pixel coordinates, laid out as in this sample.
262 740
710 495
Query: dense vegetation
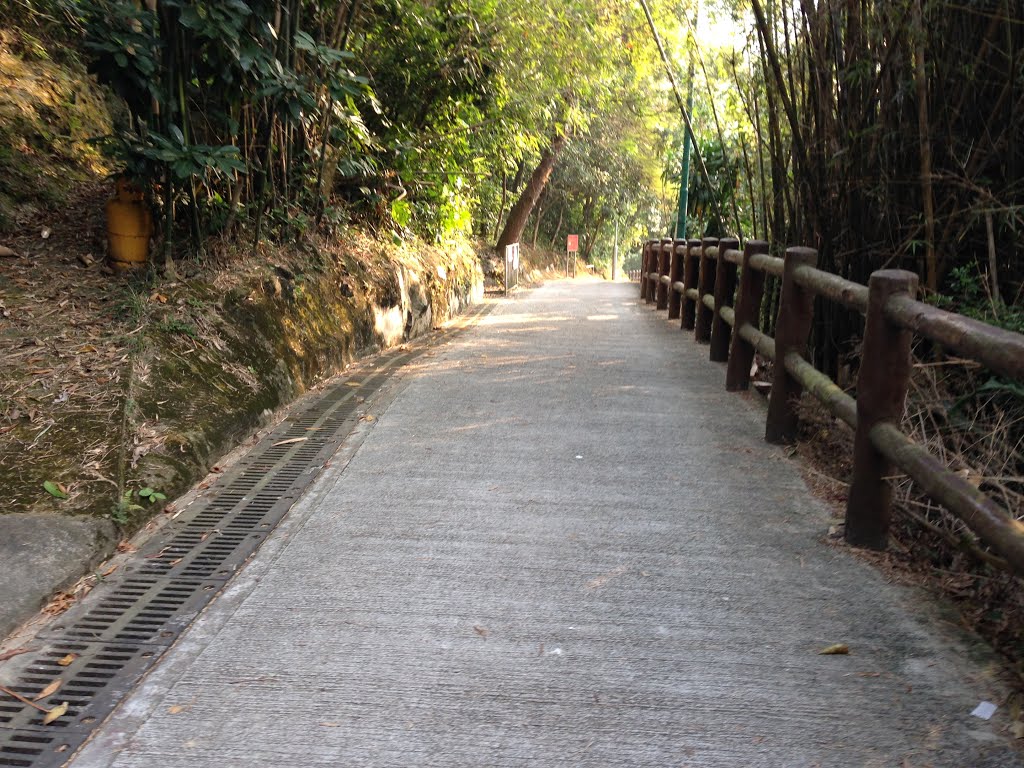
878 132
265 118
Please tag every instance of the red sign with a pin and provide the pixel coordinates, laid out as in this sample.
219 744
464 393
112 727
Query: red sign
573 244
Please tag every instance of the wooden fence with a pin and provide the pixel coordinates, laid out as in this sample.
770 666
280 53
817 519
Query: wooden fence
716 291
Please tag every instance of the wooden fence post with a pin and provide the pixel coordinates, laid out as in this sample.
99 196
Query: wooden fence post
881 393
748 311
725 290
793 326
675 275
691 266
705 286
650 268
644 256
662 269
655 261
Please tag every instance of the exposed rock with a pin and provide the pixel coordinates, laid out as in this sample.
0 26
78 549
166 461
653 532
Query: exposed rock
42 554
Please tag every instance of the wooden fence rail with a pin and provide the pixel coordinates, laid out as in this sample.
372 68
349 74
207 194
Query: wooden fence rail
716 290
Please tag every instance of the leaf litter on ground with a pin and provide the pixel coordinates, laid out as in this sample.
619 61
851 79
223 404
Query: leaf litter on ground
839 649
56 713
49 690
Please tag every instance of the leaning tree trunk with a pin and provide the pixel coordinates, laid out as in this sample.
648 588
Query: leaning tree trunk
520 212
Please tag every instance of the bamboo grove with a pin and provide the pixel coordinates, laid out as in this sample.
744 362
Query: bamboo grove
263 119
880 133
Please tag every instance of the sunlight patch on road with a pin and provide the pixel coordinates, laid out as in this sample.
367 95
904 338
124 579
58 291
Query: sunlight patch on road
522 319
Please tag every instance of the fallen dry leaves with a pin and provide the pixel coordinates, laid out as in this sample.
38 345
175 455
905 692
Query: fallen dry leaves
16 652
22 699
57 712
290 441
839 649
49 690
51 714
61 602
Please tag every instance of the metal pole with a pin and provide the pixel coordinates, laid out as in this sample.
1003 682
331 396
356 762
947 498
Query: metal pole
615 251
684 181
701 166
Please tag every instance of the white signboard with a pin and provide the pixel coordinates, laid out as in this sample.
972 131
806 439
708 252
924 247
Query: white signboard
512 255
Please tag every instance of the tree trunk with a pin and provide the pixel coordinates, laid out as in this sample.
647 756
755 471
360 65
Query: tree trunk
520 212
517 181
558 228
592 239
540 215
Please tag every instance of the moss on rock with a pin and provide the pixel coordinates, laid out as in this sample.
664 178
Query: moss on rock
212 371
49 113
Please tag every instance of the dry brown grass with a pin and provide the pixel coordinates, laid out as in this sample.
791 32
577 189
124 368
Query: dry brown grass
977 431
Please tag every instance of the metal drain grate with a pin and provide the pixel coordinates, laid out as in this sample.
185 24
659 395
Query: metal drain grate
33 749
109 640
164 609
93 677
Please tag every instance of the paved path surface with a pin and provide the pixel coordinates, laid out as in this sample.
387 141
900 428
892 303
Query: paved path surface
561 543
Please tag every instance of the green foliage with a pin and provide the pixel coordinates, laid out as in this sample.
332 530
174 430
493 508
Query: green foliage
131 306
605 176
151 495
411 114
999 386
234 108
144 158
55 490
968 295
401 213
174 325
702 202
122 511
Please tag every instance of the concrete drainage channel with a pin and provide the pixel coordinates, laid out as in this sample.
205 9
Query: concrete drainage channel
100 649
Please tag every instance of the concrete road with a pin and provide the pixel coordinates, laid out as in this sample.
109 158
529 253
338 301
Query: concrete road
561 543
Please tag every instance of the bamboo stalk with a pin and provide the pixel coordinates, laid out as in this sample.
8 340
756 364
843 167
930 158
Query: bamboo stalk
993 264
776 68
924 138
